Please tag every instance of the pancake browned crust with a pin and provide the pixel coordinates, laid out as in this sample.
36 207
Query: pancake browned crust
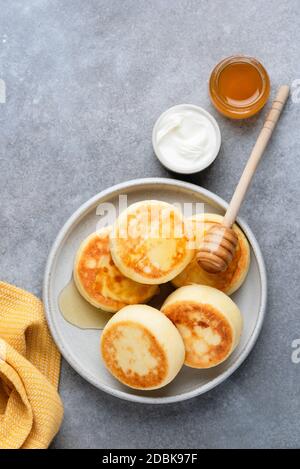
149 242
142 348
209 323
130 377
98 279
228 281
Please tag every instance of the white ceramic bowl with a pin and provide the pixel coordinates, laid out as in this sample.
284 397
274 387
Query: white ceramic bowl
81 347
199 165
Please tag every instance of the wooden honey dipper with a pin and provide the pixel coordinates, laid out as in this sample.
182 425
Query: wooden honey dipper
219 243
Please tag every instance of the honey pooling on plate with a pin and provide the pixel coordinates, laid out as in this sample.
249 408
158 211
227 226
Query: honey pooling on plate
239 87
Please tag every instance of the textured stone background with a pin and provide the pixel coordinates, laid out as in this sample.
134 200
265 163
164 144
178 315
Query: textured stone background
85 83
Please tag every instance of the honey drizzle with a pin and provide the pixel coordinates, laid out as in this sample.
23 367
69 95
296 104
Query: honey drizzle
78 312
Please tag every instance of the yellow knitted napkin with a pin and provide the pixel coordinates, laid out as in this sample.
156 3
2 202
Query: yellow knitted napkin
30 407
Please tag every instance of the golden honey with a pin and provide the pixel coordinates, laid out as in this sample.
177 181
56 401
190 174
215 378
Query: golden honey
239 87
77 311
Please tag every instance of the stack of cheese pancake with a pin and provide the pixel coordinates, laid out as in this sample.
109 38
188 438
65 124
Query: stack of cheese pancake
100 281
233 277
119 268
149 242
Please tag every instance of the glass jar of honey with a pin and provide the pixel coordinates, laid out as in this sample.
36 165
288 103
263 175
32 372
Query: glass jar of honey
239 87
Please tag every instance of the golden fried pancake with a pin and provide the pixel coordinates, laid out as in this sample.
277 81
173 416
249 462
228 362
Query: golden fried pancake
149 242
233 277
209 322
98 279
142 348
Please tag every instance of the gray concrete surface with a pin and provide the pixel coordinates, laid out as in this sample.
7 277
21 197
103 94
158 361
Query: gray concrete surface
85 82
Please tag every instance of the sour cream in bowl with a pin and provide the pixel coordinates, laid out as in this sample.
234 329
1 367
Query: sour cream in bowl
186 138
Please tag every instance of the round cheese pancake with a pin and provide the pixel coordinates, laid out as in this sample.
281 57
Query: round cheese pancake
98 279
209 322
233 277
142 348
150 243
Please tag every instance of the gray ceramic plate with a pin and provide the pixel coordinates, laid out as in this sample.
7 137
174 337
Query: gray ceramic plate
81 347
